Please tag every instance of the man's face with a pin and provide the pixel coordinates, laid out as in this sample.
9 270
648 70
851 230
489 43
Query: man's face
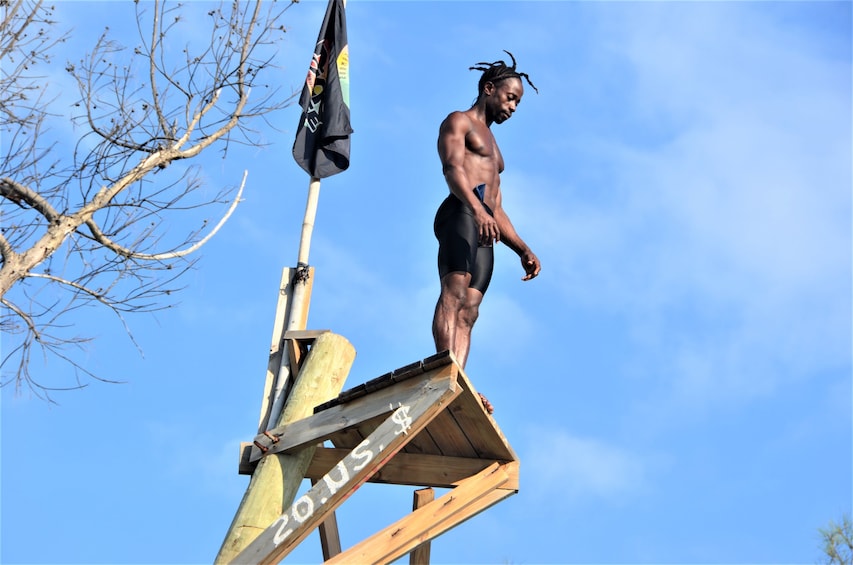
504 98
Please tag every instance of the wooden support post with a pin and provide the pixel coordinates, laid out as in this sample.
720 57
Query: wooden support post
277 346
420 556
276 479
330 539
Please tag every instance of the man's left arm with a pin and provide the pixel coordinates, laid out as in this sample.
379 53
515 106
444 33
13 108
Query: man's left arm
529 260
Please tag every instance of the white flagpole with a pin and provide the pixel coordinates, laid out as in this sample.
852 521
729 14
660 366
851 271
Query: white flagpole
299 302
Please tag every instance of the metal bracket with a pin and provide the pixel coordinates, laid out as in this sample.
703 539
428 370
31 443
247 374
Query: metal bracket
261 443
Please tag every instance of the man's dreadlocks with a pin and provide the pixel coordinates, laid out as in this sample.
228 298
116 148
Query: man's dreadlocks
498 71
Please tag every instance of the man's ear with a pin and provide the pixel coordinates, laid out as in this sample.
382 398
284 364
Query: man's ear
489 88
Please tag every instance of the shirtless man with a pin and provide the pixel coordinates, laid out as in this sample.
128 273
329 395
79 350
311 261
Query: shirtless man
471 218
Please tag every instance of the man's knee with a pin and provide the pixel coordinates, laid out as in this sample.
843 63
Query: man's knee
471 307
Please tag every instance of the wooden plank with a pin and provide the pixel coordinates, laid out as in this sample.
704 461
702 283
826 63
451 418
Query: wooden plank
410 469
423 443
472 496
304 335
282 313
512 469
323 425
451 439
294 353
275 346
246 466
313 507
367 427
347 439
397 375
298 303
420 555
480 427
330 538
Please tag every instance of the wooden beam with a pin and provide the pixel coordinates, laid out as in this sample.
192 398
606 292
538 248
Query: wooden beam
420 555
276 479
320 426
473 495
330 538
297 343
246 466
352 471
304 335
275 346
295 350
412 469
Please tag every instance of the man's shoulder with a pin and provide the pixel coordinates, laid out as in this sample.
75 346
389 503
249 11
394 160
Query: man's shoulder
461 120
457 117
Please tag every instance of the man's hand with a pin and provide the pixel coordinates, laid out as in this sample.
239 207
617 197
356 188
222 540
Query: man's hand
487 227
530 264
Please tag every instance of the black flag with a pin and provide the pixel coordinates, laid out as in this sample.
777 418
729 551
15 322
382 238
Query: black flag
322 138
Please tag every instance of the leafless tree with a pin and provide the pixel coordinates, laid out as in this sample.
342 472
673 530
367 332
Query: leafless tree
86 223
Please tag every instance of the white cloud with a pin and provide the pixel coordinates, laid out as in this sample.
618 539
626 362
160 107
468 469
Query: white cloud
725 245
556 462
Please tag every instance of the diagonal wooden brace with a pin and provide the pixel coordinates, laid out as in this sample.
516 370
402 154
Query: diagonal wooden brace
319 426
472 496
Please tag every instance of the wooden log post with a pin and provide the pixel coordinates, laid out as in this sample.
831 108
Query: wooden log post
277 477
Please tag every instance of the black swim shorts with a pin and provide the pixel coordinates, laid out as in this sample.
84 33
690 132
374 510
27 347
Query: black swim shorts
458 247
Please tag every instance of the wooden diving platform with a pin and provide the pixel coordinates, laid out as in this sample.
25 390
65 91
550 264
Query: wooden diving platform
420 425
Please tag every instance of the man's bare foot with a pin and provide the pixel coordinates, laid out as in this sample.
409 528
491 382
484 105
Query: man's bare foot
486 404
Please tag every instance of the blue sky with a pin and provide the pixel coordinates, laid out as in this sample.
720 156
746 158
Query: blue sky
676 383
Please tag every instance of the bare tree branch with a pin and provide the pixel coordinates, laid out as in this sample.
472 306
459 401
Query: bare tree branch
106 242
87 224
20 194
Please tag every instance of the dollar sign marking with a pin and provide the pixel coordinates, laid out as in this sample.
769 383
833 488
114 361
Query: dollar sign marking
401 417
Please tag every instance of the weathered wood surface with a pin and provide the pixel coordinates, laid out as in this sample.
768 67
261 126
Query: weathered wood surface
465 430
276 479
450 438
420 555
324 424
388 379
330 538
472 496
422 444
412 469
332 489
480 427
455 442
298 304
304 335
